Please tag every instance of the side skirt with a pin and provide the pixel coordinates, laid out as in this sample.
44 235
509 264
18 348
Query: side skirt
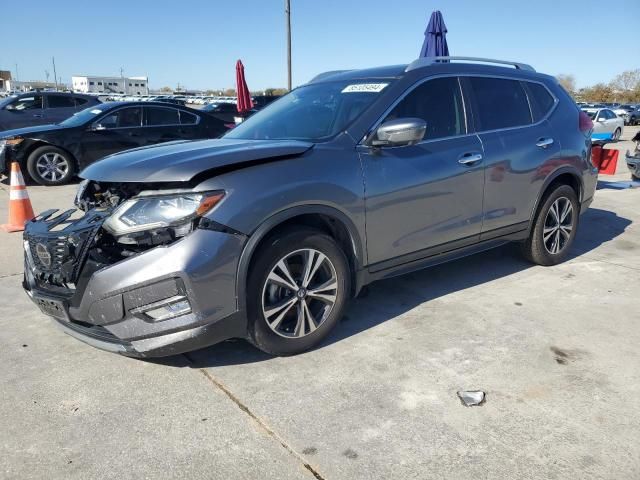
441 254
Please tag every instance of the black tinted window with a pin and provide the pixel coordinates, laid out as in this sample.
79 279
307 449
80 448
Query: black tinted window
162 116
187 118
540 99
124 118
32 102
80 101
439 103
61 101
500 103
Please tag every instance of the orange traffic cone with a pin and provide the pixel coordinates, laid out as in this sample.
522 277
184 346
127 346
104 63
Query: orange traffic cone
20 210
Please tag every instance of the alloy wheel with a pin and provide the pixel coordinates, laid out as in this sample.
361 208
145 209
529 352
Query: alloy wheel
299 293
558 226
52 166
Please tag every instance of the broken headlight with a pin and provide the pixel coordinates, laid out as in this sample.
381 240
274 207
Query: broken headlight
165 216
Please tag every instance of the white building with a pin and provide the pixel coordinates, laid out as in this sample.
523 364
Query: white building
126 85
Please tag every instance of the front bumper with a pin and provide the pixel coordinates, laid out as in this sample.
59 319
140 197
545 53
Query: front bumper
106 305
633 163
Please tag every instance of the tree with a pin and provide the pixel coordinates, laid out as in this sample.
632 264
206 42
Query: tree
230 92
166 89
627 81
600 92
275 91
568 82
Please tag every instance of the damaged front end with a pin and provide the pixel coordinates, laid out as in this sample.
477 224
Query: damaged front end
115 272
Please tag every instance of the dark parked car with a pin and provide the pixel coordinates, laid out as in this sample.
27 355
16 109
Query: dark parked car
40 108
52 154
223 111
267 232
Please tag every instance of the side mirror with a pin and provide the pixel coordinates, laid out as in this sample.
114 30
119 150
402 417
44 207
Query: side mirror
399 132
96 127
601 119
10 107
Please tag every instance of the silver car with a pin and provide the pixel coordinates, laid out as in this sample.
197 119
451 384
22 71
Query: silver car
606 124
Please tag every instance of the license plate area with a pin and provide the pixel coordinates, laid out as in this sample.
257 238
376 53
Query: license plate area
52 307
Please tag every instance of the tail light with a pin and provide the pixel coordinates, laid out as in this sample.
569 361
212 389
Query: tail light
584 123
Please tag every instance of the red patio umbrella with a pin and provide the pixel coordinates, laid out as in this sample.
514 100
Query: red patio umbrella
244 97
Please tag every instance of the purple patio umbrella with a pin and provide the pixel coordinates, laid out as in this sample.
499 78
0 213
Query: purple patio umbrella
435 37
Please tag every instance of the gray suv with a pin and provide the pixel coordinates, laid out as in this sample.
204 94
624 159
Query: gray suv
266 233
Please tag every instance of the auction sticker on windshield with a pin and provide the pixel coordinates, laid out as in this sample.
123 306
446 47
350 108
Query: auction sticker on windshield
364 88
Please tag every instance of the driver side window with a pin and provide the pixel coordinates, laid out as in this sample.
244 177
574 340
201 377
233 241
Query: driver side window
33 102
439 103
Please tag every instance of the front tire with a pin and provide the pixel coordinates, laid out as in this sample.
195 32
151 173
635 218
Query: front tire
617 134
49 165
554 228
297 291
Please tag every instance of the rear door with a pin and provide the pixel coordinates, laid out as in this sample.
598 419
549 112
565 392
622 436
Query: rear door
114 132
59 107
519 148
428 194
162 124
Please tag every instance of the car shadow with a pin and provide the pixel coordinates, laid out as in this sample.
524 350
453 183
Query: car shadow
388 299
617 185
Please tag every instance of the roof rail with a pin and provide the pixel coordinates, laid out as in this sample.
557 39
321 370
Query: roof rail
427 61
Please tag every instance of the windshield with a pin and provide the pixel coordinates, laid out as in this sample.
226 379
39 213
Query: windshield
314 112
82 117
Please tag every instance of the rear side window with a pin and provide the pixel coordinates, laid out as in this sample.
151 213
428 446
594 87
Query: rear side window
61 101
187 118
500 103
540 99
439 103
157 116
80 101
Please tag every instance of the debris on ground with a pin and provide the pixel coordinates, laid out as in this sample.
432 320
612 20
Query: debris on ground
472 398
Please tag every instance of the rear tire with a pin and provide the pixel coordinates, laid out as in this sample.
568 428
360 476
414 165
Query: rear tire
554 228
49 165
297 291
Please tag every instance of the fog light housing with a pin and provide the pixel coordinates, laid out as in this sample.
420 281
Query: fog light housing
164 309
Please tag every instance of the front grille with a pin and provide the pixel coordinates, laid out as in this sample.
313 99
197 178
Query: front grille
58 247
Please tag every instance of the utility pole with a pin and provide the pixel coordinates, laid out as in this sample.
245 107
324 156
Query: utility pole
287 11
17 76
55 75
46 74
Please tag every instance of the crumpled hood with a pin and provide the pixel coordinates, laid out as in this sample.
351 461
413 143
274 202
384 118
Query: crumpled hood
29 131
182 160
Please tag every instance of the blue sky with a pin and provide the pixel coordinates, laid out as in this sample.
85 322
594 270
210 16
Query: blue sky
197 43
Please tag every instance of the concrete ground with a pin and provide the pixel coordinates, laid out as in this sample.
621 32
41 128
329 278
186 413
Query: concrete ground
556 350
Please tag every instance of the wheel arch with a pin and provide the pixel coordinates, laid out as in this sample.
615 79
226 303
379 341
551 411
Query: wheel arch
328 219
566 175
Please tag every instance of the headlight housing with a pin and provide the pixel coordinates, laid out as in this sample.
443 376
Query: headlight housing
174 212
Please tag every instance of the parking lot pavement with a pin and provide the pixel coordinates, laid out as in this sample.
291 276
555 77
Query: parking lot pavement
554 348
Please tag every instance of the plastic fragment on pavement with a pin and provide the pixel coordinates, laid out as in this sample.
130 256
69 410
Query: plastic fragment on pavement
471 398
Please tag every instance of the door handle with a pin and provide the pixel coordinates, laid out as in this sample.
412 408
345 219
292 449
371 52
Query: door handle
38 115
470 158
544 142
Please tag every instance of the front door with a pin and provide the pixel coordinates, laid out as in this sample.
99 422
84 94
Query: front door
25 111
115 132
428 194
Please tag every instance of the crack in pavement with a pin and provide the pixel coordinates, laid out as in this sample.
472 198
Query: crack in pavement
7 275
256 419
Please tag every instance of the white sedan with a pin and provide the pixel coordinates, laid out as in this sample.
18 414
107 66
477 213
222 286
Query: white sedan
606 124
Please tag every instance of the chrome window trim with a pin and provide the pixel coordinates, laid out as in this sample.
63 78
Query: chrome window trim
111 112
415 85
